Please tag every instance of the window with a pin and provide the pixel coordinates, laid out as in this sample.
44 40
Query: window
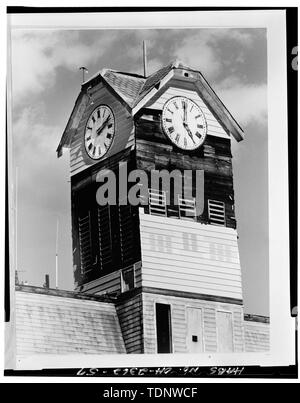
216 212
127 279
163 328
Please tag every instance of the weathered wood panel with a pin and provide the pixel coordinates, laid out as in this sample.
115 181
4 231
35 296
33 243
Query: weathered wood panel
188 256
124 132
110 283
114 234
181 331
153 154
130 313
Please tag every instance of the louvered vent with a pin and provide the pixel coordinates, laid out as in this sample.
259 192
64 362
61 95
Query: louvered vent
127 235
85 242
216 212
105 236
187 208
157 202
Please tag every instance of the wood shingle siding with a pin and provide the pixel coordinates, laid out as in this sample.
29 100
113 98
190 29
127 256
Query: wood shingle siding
131 321
257 336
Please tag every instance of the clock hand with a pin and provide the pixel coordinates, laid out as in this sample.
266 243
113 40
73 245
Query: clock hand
98 132
189 131
184 112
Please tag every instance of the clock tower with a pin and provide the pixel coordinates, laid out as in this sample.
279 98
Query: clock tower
170 260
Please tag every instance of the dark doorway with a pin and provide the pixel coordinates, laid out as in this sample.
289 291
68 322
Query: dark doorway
163 328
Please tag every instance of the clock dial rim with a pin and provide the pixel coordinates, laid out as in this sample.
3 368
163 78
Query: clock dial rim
113 135
166 132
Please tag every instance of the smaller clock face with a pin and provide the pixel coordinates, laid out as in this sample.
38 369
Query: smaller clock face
99 132
184 123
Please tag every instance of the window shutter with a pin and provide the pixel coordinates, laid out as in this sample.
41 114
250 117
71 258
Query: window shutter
85 242
105 236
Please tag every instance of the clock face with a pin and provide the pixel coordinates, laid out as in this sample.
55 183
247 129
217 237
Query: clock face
99 132
184 123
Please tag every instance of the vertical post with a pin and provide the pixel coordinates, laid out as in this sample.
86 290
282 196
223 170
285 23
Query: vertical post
84 70
145 58
16 218
56 256
47 282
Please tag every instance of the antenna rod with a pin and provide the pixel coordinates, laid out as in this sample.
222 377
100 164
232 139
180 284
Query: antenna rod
16 212
145 58
56 256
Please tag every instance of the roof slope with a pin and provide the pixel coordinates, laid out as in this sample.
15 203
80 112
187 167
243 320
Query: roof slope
133 88
65 323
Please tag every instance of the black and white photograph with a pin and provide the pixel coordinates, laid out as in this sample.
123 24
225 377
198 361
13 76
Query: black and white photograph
141 190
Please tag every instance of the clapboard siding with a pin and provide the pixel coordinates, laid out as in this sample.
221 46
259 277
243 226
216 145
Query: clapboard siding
111 283
124 131
213 126
257 336
131 321
180 326
51 324
188 256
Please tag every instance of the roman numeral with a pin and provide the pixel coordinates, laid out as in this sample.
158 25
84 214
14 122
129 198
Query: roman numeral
109 126
88 138
171 129
94 150
176 106
200 126
90 146
169 120
99 150
185 142
169 110
108 135
198 135
177 138
191 108
93 119
198 116
98 113
89 128
106 146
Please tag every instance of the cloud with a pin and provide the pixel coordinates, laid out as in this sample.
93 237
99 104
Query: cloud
247 103
204 51
36 55
42 177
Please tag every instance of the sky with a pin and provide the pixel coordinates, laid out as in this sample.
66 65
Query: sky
45 83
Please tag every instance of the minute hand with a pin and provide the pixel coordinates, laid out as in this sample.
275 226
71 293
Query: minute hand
102 126
189 131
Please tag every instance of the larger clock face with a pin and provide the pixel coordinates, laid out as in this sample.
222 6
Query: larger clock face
184 123
99 132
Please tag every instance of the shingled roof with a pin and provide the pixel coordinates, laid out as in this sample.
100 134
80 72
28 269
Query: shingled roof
62 322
